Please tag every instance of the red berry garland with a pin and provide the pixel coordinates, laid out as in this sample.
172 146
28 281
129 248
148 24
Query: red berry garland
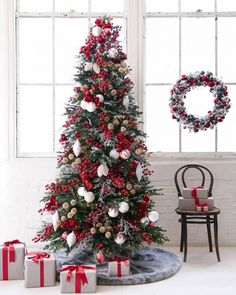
189 82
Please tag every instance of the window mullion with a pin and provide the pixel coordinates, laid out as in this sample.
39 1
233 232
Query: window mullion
216 67
53 78
180 67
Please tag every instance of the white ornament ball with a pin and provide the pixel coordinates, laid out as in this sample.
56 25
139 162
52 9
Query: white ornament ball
84 104
120 239
81 191
96 68
102 170
113 212
76 148
153 216
91 107
123 64
126 101
96 31
125 154
113 52
100 97
88 66
89 197
144 220
55 220
123 207
114 154
71 239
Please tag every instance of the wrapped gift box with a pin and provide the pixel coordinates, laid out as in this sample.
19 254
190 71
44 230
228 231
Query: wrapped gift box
78 279
189 204
40 270
119 267
12 255
201 193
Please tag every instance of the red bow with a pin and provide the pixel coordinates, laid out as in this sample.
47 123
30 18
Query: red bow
38 257
120 260
80 276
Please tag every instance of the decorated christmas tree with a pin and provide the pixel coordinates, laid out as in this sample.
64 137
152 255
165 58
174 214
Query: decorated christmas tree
102 196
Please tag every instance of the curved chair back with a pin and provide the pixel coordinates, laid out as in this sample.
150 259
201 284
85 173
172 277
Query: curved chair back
182 171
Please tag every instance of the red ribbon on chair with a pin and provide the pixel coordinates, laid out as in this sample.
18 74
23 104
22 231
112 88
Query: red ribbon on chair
196 199
38 257
8 247
80 276
124 261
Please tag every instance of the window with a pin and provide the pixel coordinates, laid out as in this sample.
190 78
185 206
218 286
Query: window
49 34
185 36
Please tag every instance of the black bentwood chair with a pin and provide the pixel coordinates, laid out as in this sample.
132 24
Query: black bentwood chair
194 217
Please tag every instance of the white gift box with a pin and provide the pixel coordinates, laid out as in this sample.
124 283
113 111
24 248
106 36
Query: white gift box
189 204
72 278
12 270
40 270
202 193
119 268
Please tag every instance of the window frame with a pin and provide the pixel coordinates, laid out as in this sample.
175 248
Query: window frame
52 15
180 15
135 17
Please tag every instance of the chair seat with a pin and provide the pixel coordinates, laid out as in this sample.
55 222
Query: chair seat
197 213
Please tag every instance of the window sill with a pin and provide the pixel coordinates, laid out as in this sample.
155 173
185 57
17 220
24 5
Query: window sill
206 156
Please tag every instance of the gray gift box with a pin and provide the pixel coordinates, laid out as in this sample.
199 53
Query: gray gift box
202 193
113 268
32 271
189 204
16 268
69 287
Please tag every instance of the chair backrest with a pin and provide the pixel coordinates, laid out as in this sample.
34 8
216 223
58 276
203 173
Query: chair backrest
182 171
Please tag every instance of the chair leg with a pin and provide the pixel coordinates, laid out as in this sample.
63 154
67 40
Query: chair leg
185 238
182 235
216 237
209 233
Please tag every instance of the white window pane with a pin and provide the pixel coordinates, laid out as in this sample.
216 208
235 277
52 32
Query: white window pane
227 129
198 102
67 5
35 5
226 48
35 115
107 6
161 5
203 141
202 5
162 131
62 95
70 35
226 5
198 41
35 50
162 51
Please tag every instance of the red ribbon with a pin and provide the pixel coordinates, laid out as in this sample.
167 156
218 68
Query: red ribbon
8 246
125 262
38 257
80 276
196 199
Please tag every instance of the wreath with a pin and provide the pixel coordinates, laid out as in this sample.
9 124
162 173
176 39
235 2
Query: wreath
189 82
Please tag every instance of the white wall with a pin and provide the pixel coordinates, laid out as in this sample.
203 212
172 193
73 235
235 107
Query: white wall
22 184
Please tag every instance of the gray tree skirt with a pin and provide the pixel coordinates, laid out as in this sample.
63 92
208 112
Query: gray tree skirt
148 265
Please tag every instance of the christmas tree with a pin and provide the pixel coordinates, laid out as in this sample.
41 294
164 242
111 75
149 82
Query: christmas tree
101 197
